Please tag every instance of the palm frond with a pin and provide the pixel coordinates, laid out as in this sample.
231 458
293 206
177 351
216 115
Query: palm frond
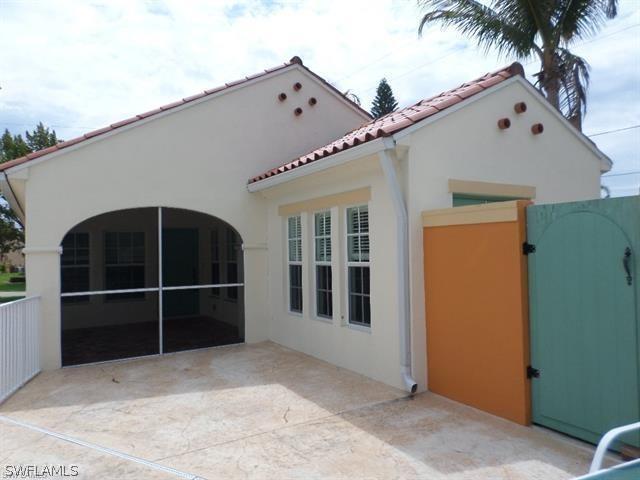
577 19
574 81
486 25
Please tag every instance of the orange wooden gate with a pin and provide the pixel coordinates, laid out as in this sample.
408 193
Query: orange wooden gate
477 307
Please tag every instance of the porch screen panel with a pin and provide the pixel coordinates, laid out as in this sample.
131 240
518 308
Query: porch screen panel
114 252
202 281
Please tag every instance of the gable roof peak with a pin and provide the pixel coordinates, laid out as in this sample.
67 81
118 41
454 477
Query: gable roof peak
397 120
295 60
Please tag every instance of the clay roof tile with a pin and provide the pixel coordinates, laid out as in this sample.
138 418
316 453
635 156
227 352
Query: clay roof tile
401 119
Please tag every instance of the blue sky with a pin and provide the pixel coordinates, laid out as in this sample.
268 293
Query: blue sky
80 65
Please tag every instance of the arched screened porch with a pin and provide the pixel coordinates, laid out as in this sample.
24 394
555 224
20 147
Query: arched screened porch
123 296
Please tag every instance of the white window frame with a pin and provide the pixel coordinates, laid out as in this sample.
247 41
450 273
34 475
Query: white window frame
324 263
119 263
216 260
347 321
231 256
290 262
76 266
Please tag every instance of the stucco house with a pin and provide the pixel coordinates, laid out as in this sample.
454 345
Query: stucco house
273 208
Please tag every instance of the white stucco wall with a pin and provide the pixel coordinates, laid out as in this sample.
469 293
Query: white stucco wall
373 352
201 157
467 145
196 158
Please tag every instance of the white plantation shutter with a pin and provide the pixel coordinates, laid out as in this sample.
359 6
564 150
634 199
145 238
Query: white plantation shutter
358 282
358 234
323 236
295 238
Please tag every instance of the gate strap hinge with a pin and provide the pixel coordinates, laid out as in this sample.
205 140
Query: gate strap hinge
532 372
528 248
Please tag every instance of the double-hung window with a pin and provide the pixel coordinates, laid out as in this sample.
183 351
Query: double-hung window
358 266
124 263
233 245
322 240
215 261
75 266
294 247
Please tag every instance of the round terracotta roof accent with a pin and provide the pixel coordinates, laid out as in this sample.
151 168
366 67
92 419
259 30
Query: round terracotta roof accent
537 128
298 112
282 97
297 86
504 123
313 101
296 59
520 107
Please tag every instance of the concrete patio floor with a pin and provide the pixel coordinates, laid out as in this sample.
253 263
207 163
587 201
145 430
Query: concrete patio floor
263 411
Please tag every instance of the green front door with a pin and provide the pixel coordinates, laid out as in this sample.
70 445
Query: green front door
584 315
180 262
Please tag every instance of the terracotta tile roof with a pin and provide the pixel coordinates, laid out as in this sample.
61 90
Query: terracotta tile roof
399 120
141 116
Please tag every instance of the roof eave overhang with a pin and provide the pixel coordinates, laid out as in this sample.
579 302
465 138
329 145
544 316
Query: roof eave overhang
376 145
340 158
605 162
151 118
7 192
360 150
293 66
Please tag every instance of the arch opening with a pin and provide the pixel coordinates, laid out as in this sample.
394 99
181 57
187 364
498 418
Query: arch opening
148 281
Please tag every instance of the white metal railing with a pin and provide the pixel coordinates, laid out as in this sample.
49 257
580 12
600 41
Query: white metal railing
605 443
19 344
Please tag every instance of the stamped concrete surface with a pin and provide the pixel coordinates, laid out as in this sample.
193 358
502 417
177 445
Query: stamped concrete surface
263 411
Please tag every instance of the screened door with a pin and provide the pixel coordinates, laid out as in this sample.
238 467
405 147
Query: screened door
122 296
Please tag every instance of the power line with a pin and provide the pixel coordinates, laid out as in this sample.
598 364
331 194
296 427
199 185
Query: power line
606 132
373 62
635 25
596 39
15 124
621 174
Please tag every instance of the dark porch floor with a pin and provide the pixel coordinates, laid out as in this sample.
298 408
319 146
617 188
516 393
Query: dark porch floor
113 342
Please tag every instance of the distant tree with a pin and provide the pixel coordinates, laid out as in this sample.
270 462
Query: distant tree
384 101
11 147
11 230
41 137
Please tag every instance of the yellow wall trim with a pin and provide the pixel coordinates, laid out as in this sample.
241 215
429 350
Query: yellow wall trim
362 195
485 213
491 189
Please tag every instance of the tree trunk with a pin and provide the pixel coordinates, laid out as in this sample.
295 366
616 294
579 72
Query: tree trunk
576 121
550 78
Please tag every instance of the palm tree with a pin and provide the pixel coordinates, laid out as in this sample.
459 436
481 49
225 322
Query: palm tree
532 28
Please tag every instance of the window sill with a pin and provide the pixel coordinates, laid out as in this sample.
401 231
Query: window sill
295 314
359 328
322 319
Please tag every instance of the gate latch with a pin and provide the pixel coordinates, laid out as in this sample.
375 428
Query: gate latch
532 372
528 248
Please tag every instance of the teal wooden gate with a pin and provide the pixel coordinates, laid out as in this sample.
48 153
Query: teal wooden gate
583 293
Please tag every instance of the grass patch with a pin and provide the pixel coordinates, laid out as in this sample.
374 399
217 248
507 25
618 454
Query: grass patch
9 299
7 286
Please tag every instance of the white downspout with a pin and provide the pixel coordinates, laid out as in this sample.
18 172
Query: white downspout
402 235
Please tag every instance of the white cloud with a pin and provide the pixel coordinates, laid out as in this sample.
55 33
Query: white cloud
79 65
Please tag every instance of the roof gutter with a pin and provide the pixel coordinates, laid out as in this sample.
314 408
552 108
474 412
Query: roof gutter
402 236
10 196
